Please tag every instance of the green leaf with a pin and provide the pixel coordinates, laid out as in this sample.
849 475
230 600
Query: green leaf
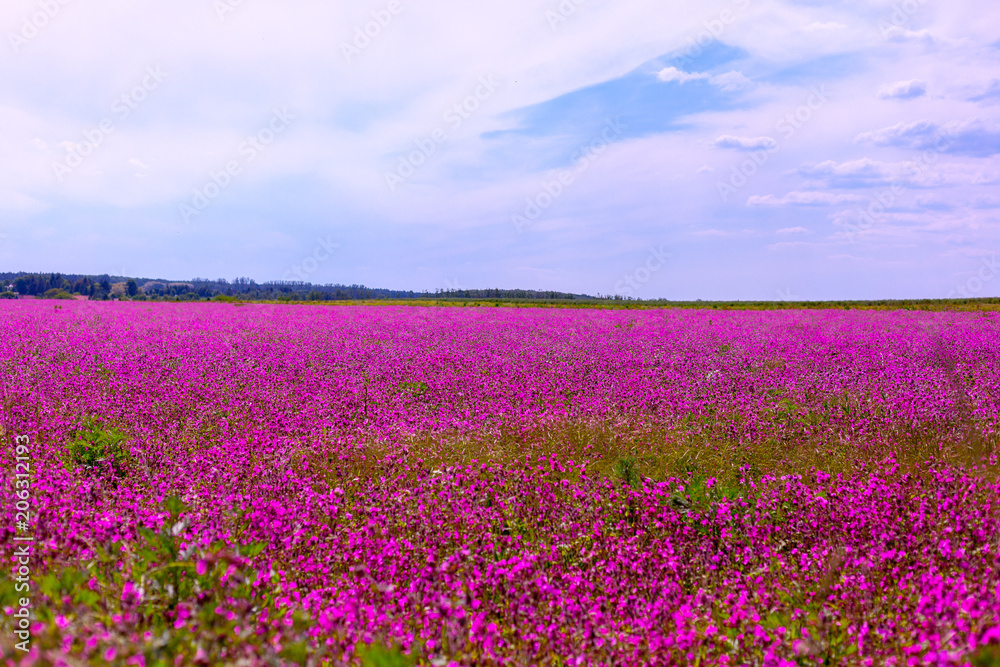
175 506
295 653
85 596
379 656
252 549
49 586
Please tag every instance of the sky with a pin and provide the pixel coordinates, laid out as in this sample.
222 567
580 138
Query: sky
720 149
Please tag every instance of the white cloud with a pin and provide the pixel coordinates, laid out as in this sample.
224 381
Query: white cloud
903 90
668 74
863 173
986 203
727 81
746 143
15 201
731 81
790 245
830 25
972 137
900 34
989 93
793 230
804 199
933 203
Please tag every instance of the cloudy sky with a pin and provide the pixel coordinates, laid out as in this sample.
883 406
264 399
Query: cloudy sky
720 149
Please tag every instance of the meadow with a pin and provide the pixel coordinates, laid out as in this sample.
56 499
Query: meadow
261 484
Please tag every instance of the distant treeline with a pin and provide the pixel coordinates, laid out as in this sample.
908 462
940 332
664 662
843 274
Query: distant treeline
67 286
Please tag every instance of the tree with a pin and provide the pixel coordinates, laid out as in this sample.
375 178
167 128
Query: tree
131 287
57 293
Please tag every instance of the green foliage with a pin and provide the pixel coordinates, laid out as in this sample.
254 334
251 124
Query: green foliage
94 445
988 656
57 294
703 492
627 470
38 284
8 295
380 656
191 603
413 388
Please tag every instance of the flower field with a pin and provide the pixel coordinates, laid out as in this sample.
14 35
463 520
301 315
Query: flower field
257 484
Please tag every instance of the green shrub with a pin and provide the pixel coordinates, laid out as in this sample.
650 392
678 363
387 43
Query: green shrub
55 293
94 446
413 388
8 295
627 470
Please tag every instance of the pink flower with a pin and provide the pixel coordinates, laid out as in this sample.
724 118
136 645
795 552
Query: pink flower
131 594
